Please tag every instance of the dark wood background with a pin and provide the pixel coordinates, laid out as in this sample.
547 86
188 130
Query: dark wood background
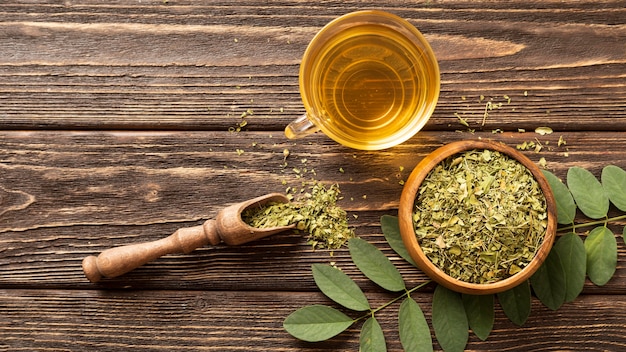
114 129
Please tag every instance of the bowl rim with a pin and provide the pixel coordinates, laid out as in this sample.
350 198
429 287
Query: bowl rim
407 232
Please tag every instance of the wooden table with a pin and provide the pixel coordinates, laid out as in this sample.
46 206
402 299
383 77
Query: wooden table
114 129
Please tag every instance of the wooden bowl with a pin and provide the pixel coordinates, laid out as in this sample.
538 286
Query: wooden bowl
407 231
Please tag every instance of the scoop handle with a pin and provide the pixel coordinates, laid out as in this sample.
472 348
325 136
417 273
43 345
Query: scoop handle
120 260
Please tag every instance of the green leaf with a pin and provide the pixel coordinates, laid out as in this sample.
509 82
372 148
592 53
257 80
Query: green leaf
375 265
571 250
624 234
372 338
548 282
391 230
339 287
480 314
588 193
316 323
565 206
414 330
614 183
601 248
449 319
516 303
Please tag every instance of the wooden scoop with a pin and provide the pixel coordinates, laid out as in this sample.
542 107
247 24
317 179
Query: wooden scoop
227 227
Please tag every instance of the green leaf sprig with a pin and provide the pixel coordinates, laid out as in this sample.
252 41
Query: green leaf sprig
450 321
596 256
319 322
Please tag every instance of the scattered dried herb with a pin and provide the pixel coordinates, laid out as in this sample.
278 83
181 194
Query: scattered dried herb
315 213
480 216
462 120
243 123
543 130
543 163
530 145
490 105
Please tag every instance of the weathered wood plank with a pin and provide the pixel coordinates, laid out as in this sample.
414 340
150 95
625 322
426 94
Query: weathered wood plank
176 75
197 65
67 195
135 178
52 320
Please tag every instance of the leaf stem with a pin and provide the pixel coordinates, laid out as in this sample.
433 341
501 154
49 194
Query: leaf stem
591 223
405 294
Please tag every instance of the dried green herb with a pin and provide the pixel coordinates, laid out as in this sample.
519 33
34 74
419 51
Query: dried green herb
480 216
315 213
543 130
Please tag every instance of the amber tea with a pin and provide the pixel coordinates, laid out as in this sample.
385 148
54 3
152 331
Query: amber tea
368 80
370 83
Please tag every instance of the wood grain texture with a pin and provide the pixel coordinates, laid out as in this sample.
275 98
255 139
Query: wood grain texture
85 192
114 129
53 320
192 65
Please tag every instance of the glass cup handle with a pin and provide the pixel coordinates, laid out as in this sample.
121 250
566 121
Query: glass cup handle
300 127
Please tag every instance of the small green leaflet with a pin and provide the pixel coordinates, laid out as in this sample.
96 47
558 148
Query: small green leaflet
449 320
375 265
339 287
480 314
316 323
574 261
601 248
391 230
516 303
414 331
372 338
548 282
614 183
588 193
565 206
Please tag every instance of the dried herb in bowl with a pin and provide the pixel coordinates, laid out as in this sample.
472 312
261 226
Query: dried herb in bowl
480 216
